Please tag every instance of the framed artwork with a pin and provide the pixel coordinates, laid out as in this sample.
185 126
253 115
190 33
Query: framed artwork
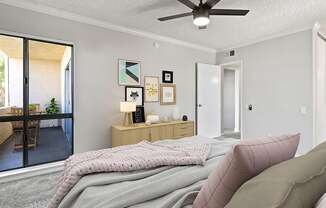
134 94
167 76
151 87
139 115
168 94
129 72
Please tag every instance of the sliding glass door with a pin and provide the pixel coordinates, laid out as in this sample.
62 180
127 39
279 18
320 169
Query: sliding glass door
36 97
11 99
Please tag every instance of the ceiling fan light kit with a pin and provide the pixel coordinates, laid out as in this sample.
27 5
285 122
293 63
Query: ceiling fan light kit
201 21
203 11
201 18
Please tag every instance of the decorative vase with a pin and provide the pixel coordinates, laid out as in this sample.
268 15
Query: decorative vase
176 114
166 119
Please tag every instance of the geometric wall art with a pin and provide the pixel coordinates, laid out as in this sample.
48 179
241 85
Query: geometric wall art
129 73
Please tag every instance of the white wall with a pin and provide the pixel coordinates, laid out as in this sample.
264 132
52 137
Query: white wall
15 74
277 80
229 99
97 50
44 82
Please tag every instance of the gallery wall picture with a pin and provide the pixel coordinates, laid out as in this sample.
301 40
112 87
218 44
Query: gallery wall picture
151 85
168 94
139 115
129 72
167 76
134 94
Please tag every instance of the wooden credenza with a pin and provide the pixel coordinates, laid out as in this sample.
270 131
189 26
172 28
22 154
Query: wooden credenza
122 135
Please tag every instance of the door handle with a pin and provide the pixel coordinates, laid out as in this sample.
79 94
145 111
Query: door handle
200 105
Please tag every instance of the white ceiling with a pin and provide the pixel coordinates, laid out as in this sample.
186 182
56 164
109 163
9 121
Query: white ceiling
13 48
267 18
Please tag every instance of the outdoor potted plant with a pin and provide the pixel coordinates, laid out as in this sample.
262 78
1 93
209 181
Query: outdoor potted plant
53 108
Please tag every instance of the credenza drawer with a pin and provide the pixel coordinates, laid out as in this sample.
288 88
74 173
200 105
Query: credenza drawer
122 135
189 134
130 136
184 130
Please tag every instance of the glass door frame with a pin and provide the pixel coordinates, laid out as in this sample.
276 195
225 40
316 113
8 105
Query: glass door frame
26 117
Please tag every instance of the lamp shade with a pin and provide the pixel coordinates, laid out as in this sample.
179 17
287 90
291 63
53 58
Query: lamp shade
127 107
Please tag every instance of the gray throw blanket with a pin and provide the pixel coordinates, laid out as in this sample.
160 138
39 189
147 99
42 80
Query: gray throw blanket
163 187
141 156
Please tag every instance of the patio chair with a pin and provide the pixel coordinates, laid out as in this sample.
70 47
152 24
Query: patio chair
33 128
5 127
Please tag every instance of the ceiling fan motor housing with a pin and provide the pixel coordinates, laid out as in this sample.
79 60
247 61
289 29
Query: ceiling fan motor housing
201 12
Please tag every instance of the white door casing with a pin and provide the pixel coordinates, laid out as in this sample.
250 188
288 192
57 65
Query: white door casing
319 86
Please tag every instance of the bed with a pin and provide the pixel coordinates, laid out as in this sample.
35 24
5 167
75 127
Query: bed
163 187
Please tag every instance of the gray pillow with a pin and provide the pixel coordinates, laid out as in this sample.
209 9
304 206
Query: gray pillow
296 183
321 146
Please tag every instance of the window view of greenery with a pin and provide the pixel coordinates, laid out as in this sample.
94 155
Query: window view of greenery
2 81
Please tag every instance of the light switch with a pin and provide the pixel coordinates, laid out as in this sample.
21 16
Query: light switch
303 110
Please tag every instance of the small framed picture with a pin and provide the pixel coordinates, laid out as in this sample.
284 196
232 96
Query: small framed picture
167 76
135 94
139 115
168 94
151 88
129 72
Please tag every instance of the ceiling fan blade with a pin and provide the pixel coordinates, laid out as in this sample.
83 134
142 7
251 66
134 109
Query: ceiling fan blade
202 27
188 3
211 3
231 12
175 16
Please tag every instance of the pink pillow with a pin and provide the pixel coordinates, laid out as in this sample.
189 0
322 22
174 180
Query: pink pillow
246 160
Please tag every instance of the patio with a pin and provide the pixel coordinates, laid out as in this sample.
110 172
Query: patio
53 145
49 93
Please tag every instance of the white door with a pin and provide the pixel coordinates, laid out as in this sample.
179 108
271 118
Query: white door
208 100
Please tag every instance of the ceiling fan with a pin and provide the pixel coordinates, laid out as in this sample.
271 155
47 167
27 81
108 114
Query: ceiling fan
203 11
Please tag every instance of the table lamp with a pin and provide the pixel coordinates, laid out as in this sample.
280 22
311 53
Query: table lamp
127 108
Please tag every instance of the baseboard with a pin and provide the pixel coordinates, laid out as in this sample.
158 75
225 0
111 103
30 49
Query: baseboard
23 173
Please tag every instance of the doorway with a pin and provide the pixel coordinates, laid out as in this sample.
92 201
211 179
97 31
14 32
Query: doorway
231 99
219 100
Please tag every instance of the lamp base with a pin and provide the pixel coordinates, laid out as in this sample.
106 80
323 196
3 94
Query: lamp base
128 119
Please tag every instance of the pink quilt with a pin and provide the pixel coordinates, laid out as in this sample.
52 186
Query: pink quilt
144 155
